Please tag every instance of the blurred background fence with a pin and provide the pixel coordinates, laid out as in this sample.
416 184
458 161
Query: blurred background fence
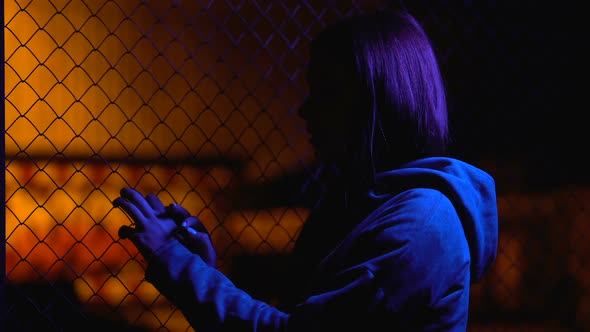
196 101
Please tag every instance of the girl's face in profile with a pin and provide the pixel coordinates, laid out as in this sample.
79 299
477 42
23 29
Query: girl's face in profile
328 109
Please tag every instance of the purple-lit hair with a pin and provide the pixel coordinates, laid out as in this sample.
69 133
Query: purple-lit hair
399 84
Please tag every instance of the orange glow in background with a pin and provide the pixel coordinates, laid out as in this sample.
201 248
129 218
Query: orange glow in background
98 90
101 95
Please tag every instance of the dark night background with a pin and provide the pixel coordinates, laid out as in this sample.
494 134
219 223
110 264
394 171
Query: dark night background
515 83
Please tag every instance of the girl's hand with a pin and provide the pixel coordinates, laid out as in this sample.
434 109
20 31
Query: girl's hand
193 234
154 227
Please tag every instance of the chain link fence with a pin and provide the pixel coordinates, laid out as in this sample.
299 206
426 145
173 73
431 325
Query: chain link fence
195 101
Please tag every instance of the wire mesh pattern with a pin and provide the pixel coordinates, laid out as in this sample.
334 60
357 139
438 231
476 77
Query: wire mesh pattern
193 100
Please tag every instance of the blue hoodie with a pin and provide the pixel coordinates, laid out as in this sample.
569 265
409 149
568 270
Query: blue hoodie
422 235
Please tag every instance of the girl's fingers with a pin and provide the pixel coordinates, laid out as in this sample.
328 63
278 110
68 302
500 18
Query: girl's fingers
177 211
195 223
126 232
132 211
203 244
199 243
155 203
138 200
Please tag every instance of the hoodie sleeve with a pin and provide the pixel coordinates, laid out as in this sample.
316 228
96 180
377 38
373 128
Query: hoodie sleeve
211 302
206 297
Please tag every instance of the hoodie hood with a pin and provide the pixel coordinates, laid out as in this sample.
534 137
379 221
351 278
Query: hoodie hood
470 189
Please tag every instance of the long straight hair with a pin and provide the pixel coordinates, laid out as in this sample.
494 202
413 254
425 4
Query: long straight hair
402 110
